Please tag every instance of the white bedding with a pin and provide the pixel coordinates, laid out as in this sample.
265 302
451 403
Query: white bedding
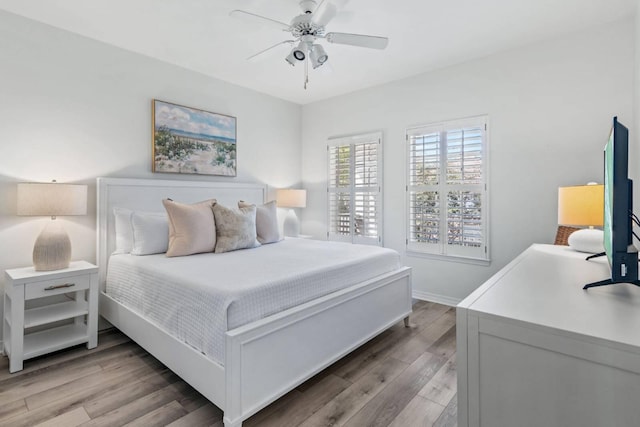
197 298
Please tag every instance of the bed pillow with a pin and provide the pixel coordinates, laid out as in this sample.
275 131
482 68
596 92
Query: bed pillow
235 228
150 233
192 229
266 221
124 232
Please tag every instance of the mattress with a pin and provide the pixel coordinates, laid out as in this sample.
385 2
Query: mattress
198 298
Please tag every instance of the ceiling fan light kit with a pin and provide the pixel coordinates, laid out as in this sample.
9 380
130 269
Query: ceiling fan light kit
317 55
300 51
291 59
307 28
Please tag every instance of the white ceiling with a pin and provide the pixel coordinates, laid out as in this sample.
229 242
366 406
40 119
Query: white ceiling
424 35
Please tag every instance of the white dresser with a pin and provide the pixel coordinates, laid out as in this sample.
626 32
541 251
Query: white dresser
534 349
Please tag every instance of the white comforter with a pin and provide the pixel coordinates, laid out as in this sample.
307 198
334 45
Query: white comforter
199 297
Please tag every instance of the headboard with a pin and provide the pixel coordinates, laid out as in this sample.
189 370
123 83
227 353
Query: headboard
147 194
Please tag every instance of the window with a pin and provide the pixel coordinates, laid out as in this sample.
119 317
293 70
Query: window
447 189
354 189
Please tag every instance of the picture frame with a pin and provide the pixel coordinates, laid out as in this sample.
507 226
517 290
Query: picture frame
188 140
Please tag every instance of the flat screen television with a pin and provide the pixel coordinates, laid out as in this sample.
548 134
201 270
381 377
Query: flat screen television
618 208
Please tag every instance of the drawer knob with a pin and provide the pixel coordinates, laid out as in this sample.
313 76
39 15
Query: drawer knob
64 285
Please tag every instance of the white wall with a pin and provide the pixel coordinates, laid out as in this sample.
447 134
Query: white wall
550 106
73 109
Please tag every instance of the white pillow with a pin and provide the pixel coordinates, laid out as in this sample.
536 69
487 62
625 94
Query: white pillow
124 231
150 233
266 221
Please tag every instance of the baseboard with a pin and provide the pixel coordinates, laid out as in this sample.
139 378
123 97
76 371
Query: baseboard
1 348
440 299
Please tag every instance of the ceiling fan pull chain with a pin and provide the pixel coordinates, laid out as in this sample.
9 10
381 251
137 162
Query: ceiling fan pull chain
306 74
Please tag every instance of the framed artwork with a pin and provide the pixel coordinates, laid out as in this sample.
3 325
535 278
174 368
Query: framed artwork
191 141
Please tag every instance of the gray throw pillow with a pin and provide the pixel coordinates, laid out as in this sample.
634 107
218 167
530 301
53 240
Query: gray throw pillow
235 228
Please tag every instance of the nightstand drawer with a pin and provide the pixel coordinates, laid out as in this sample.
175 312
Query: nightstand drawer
55 287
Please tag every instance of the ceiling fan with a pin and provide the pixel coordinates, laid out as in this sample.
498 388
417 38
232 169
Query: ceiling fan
307 29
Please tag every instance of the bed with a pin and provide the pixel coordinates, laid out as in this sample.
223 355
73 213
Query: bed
251 359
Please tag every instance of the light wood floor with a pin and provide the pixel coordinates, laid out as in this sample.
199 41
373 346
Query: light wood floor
404 377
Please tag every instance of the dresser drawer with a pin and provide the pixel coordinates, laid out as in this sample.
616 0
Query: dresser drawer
54 287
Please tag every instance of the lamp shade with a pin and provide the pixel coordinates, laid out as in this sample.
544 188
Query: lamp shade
52 199
290 198
581 205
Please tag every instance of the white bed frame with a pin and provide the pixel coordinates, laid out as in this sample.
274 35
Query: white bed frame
269 357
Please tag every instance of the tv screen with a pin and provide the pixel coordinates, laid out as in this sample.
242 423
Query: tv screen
608 195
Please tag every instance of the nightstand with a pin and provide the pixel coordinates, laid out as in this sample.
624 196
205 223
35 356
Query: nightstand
28 332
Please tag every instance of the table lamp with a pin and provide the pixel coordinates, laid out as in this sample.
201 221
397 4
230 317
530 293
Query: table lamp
52 250
291 198
583 206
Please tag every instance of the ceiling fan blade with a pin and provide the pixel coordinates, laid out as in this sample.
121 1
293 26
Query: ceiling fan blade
253 57
361 40
252 18
326 11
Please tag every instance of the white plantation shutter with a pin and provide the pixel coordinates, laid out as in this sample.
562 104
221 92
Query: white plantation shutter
354 190
447 188
339 191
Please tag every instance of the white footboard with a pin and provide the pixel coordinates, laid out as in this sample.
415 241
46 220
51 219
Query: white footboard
268 358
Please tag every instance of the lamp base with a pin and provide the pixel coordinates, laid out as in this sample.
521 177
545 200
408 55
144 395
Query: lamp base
588 240
291 224
52 250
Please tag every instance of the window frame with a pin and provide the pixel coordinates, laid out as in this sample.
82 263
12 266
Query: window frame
352 189
443 250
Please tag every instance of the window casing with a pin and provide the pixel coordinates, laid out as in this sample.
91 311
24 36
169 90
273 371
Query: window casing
447 201
354 189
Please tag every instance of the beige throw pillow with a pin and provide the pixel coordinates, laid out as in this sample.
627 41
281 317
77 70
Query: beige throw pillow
266 221
192 229
235 228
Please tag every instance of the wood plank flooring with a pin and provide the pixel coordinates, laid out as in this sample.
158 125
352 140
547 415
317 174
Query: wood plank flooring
404 377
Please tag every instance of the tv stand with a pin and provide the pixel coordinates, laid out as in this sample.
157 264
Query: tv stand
609 282
624 268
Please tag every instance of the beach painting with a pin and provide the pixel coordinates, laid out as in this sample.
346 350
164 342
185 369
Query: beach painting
191 141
